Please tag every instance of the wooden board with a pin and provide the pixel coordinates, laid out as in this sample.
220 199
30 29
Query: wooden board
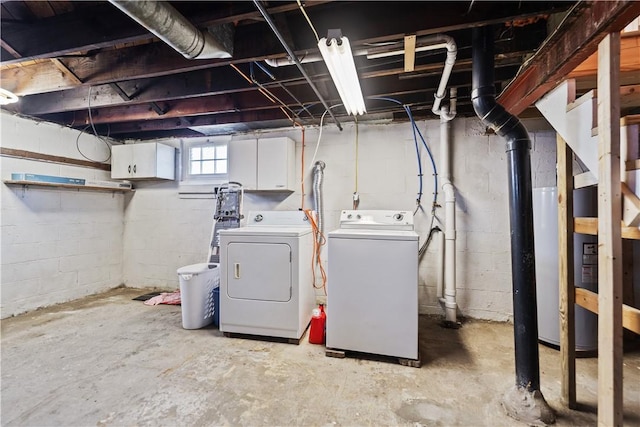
32 155
590 226
629 57
341 354
67 186
589 300
609 235
565 272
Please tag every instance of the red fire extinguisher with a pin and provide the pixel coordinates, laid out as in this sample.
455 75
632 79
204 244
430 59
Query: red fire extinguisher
318 322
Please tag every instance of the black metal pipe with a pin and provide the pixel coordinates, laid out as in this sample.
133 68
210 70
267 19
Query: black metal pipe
520 207
293 57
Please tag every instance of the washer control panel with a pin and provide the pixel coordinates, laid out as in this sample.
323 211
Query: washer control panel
376 219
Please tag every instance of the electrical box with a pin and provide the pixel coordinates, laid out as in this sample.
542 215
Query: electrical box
143 161
264 164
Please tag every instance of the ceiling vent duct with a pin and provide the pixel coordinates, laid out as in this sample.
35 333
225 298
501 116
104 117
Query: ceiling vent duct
170 26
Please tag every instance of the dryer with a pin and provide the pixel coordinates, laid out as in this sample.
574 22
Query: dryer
372 284
266 278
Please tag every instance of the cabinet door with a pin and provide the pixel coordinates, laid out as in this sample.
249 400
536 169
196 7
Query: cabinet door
144 160
274 163
121 161
243 162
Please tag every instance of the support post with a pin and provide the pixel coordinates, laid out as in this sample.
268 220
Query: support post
565 271
609 235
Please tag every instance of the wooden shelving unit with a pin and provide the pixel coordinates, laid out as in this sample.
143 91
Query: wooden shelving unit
68 186
613 314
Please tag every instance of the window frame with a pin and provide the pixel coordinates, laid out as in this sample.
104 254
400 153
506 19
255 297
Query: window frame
213 178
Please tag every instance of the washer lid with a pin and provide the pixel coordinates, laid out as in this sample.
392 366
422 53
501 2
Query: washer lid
346 233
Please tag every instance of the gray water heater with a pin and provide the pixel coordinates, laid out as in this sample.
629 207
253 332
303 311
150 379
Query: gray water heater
585 257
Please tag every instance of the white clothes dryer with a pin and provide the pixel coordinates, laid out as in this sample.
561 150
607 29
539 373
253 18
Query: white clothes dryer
266 284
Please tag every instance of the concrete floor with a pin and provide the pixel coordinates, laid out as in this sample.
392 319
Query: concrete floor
107 360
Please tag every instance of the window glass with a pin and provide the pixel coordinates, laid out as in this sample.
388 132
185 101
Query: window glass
207 161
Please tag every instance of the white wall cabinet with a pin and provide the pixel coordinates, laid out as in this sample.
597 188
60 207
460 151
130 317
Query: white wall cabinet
264 164
146 160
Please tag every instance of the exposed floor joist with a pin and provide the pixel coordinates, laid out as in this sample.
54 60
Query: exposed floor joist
568 47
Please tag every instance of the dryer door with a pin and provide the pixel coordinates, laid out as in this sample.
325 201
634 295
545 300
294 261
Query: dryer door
259 271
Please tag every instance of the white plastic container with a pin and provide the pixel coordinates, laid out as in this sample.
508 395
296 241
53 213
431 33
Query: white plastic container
197 282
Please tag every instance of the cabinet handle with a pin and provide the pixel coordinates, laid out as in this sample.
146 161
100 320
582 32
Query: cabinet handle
134 168
129 169
236 270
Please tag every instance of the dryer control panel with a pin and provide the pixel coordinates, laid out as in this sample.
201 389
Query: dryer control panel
278 218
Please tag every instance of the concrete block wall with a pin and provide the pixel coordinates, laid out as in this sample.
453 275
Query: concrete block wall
164 232
56 244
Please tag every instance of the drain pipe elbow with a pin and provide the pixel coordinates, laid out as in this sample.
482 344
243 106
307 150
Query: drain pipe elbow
452 52
520 208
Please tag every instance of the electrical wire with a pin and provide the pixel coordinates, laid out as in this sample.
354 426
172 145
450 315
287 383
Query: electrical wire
356 183
271 95
315 152
302 171
316 262
356 196
283 87
308 20
94 132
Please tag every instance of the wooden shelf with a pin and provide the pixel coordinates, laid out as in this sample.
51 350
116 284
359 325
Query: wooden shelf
589 300
590 226
69 186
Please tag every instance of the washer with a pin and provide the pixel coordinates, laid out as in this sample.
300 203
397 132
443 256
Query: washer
372 284
266 279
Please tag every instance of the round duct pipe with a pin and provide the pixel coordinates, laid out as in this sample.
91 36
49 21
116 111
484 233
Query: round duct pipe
171 27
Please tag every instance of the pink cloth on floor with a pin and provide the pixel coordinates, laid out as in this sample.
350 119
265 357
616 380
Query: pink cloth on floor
172 298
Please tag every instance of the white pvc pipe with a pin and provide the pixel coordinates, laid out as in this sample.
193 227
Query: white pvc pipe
440 271
450 216
312 57
452 51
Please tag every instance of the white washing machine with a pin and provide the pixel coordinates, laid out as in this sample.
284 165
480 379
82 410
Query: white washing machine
372 284
266 278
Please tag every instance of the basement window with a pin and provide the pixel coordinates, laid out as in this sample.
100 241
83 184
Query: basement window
204 166
207 160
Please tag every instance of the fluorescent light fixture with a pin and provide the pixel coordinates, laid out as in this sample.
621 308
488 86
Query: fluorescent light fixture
7 97
339 59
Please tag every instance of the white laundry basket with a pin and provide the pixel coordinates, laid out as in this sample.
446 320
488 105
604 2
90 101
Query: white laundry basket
197 282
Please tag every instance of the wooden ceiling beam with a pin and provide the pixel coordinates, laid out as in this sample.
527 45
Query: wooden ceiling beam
568 47
6 46
256 42
180 123
223 80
